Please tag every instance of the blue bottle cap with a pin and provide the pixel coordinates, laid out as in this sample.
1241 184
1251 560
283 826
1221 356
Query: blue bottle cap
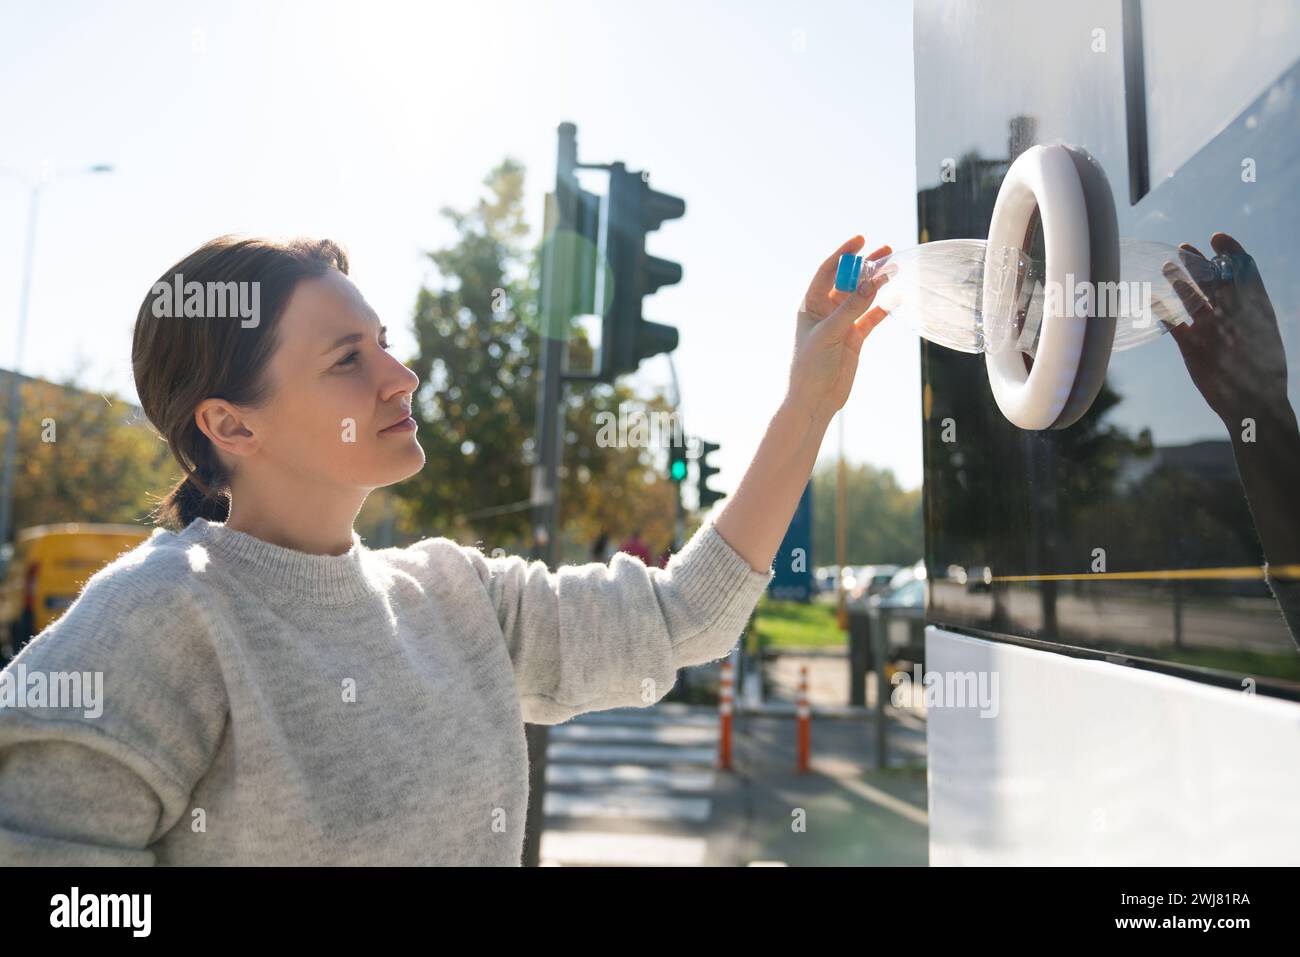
846 275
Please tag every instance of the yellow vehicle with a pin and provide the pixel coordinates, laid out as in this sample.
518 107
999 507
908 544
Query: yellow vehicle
50 564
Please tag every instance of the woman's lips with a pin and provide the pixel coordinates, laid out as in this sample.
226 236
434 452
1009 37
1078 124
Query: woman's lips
406 425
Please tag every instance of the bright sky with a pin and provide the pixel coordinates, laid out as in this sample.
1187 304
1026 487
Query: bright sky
786 127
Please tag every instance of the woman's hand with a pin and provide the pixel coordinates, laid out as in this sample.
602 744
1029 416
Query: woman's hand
831 327
1233 347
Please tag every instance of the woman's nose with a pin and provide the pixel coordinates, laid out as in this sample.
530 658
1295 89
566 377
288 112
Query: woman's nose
401 379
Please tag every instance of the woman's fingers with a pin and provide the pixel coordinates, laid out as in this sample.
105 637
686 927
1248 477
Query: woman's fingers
862 327
855 304
1193 299
871 319
824 280
1224 244
837 296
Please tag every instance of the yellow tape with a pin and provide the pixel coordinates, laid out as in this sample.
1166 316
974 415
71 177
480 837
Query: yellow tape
1247 572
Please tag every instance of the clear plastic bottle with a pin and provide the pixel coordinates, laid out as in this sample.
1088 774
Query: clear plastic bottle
958 294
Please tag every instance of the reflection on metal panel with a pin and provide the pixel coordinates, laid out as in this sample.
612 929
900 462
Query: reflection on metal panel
1137 530
1199 79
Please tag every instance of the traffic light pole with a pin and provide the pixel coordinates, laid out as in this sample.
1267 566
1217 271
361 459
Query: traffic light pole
545 490
546 467
568 288
679 523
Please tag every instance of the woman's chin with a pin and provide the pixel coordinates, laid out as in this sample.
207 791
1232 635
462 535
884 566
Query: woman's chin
413 464
390 464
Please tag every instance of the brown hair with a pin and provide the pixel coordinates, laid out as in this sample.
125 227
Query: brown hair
178 362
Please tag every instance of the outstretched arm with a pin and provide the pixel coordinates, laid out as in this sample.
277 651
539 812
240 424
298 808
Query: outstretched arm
830 329
1234 353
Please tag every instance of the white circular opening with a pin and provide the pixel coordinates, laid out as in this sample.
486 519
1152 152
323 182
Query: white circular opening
1044 181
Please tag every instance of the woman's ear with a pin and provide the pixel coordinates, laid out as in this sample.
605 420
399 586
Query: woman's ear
225 427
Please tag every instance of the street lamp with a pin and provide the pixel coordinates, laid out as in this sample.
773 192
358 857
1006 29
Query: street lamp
34 186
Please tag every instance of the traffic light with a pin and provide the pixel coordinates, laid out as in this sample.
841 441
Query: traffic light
570 259
707 495
635 210
677 462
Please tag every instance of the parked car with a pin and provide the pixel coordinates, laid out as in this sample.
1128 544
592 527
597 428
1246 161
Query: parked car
900 610
910 594
826 577
871 580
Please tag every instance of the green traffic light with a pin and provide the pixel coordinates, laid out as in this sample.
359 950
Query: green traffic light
678 471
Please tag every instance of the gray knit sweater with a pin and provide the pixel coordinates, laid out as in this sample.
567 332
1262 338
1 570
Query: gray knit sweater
262 705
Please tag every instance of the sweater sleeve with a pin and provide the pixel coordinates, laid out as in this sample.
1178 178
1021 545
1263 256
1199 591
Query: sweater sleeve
98 781
598 636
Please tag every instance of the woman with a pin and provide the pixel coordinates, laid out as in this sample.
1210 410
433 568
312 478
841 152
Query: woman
274 692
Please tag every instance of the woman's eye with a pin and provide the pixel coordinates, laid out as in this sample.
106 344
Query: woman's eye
351 357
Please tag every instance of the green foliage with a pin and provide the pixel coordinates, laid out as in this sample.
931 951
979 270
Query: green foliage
883 520
83 457
477 359
791 624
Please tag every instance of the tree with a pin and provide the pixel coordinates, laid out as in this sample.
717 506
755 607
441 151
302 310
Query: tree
478 352
883 521
83 456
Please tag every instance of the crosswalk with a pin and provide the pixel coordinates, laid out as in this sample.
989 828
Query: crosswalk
631 787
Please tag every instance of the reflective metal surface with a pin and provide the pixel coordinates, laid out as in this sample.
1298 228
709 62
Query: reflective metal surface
1130 532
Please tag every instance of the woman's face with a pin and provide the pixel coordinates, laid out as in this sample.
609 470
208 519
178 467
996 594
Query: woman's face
335 388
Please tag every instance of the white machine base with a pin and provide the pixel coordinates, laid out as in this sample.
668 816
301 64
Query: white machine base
1087 762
